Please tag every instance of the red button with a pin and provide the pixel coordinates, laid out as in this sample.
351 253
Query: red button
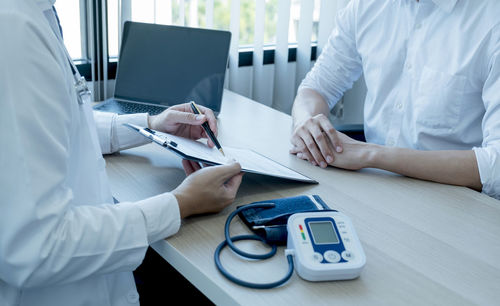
300 226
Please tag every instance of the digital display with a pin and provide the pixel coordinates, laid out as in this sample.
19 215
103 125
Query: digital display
323 232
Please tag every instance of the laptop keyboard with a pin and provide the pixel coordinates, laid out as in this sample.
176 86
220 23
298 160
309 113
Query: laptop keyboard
122 107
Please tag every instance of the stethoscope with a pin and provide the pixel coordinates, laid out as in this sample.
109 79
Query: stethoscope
83 92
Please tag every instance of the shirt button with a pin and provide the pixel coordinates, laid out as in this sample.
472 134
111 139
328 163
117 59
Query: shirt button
418 26
133 297
390 142
399 105
408 66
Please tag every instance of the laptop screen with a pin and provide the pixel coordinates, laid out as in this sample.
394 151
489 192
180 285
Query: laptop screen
169 65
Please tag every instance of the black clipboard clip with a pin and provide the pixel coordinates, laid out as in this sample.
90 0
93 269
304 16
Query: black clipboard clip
149 133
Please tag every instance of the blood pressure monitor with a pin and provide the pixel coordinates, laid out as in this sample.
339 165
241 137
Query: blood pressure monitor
324 246
321 245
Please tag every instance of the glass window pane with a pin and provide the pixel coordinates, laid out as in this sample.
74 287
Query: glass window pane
69 16
193 13
113 28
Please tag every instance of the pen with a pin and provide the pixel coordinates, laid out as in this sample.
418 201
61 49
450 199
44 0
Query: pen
207 129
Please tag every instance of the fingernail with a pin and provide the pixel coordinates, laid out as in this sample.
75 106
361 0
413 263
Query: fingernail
323 164
339 149
329 159
313 163
200 117
299 155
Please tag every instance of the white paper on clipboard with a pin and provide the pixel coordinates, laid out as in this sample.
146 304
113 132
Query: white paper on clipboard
249 160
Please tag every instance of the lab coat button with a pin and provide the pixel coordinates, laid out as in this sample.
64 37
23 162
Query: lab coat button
133 297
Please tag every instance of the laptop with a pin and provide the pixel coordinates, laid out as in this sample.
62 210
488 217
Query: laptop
162 65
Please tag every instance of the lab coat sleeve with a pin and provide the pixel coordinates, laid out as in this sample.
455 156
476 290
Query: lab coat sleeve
488 155
339 64
45 238
114 136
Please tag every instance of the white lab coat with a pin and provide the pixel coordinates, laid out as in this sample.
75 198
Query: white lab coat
62 241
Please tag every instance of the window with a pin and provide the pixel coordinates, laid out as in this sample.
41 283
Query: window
196 13
71 23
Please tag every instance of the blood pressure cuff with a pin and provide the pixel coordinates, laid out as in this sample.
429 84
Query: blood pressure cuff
270 223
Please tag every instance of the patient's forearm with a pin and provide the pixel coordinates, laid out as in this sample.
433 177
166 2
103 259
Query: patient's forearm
308 103
449 167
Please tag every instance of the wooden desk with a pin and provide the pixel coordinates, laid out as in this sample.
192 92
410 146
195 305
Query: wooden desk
425 243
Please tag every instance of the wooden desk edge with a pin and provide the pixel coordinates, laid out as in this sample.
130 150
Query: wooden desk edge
192 274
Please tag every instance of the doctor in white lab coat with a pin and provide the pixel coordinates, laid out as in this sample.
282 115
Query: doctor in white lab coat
62 240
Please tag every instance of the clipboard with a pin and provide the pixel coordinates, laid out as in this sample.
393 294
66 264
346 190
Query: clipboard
250 161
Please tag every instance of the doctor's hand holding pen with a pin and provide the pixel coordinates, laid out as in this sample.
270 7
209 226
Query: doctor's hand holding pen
180 120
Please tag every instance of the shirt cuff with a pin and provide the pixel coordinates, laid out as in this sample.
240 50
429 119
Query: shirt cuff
114 136
162 216
124 137
103 122
488 163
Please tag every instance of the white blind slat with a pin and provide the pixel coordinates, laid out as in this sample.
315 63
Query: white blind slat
328 10
258 52
281 57
164 11
182 19
304 41
193 13
234 27
209 14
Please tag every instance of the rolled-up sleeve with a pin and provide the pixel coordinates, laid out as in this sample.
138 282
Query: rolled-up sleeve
114 136
488 155
339 64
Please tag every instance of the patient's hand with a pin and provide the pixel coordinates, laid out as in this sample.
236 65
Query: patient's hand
355 154
316 140
181 121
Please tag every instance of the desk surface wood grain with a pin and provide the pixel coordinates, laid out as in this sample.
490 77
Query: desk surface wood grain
425 243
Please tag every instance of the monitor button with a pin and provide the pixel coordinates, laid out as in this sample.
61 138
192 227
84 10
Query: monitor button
347 255
332 256
317 257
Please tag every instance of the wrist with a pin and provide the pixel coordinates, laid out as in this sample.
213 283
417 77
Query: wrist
374 154
183 202
150 119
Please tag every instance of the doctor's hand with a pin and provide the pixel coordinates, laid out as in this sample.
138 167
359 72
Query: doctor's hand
181 121
316 140
207 190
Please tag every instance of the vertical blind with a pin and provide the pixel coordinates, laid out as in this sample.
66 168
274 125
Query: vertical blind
314 17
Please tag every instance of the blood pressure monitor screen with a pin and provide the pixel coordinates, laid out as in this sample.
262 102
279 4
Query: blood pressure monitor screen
323 232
